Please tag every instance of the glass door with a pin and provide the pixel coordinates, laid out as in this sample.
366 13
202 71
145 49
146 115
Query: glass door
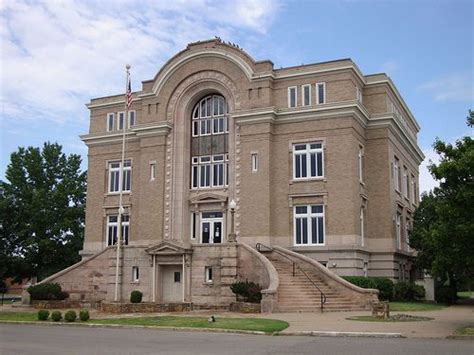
211 227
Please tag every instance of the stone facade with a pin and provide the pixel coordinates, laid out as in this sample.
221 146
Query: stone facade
359 124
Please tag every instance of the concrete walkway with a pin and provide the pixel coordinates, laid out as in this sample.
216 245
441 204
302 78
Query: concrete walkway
444 322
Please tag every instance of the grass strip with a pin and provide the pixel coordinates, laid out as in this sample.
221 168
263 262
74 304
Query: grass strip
415 306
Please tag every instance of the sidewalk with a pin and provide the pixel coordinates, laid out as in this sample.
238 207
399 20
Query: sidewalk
444 322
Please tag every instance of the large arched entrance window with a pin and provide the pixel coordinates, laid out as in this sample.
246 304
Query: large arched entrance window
209 143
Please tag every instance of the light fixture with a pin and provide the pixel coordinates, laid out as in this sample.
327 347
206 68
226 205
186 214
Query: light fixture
232 204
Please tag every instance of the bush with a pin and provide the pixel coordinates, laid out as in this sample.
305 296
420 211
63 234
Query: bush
43 314
383 284
47 291
407 291
84 315
445 294
136 297
250 291
70 316
56 316
385 287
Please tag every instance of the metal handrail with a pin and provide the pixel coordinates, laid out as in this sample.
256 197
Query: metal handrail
260 246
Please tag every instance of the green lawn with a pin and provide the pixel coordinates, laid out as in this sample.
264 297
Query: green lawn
469 330
465 294
19 316
414 306
254 324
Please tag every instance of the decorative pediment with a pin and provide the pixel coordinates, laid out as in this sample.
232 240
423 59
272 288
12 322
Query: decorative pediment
208 197
167 248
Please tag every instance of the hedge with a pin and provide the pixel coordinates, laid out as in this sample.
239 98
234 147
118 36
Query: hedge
47 292
383 284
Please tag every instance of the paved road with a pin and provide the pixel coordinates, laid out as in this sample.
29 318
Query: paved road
34 339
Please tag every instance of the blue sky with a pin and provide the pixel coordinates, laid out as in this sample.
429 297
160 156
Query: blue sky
56 55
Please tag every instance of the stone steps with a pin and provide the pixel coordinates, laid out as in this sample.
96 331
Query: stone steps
298 294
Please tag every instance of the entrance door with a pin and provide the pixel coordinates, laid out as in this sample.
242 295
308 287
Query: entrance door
172 283
211 227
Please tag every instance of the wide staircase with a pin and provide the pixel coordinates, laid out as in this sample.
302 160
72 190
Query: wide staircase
302 290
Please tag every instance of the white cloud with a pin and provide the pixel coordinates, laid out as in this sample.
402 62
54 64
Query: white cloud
426 181
56 55
452 87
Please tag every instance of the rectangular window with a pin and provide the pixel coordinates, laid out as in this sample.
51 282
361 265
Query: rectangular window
413 192
362 227
396 174
320 93
135 274
306 95
308 160
121 120
115 176
308 224
398 230
208 274
407 234
112 229
110 122
177 276
131 118
292 97
152 171
209 171
254 158
361 163
407 183
193 225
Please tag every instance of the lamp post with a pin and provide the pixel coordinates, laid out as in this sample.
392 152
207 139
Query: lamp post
232 236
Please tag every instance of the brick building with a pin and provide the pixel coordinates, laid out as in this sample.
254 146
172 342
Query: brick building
320 160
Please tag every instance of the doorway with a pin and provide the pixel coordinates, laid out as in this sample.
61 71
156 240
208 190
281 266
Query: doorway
211 227
172 283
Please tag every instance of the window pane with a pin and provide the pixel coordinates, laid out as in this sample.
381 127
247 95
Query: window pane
298 231
306 95
314 231
320 93
319 157
304 172
216 105
208 175
305 230
313 164
315 145
301 209
298 166
320 230
300 147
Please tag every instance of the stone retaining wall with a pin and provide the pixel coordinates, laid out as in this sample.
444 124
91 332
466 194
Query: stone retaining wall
145 307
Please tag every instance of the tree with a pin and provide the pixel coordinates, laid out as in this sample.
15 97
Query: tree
41 212
443 232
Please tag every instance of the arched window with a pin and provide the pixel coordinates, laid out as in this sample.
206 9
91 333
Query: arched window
209 143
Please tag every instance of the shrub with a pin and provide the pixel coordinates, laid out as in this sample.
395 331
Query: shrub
385 287
445 294
136 296
250 291
70 316
43 314
47 291
56 316
361 281
84 315
407 291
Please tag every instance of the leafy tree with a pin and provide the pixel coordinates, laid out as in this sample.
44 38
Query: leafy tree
41 212
443 232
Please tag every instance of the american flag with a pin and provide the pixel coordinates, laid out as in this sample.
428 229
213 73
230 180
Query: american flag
129 93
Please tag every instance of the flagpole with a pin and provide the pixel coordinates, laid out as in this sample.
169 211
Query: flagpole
121 182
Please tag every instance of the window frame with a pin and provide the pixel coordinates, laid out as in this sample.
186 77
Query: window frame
127 168
135 274
308 216
303 96
406 182
254 162
398 230
361 163
208 275
110 128
307 152
213 162
323 84
396 174
129 125
125 226
120 114
152 171
362 226
290 89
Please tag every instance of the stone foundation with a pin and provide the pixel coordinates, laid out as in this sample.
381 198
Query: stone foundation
145 307
244 307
